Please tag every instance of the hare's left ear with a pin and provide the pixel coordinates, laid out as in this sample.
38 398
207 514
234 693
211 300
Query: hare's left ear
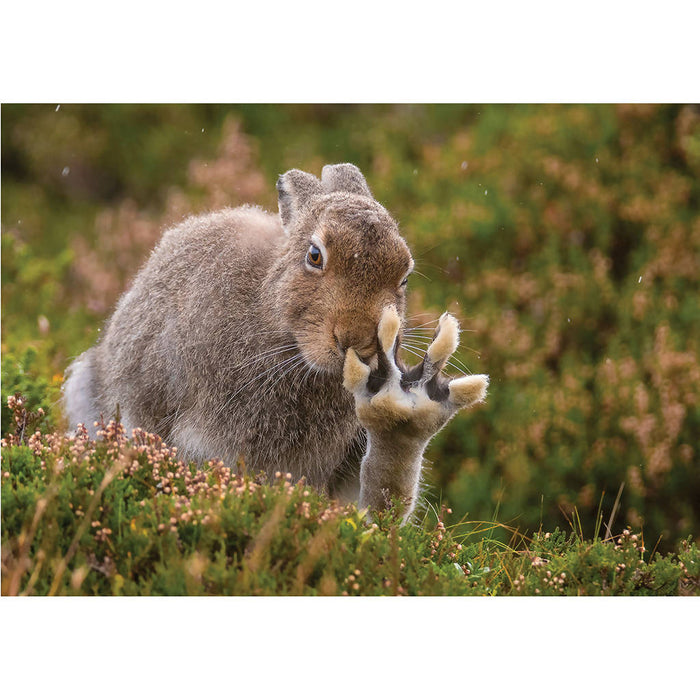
344 177
295 188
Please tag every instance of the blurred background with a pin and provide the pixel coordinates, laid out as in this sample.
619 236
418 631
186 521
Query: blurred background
566 239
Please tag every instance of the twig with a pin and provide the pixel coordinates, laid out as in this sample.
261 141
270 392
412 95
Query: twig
608 534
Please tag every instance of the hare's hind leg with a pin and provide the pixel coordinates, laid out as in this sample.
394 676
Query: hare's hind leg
402 411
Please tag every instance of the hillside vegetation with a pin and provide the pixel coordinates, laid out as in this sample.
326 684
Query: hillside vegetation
127 517
565 238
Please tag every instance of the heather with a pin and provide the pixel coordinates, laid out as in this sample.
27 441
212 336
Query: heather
122 516
565 238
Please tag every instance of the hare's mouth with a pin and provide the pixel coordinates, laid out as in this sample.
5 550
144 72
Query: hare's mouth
327 355
332 360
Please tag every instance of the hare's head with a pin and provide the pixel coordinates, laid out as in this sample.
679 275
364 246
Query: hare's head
344 262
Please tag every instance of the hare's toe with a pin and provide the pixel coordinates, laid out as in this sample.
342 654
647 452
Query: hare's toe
388 329
451 394
355 372
445 341
467 391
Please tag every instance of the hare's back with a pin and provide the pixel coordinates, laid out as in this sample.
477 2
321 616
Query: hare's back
242 231
191 297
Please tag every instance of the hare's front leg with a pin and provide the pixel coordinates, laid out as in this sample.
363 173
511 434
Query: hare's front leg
401 412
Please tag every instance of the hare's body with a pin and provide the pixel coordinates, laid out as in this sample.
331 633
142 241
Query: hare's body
192 353
234 336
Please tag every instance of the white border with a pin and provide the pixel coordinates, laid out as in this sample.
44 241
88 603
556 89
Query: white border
507 51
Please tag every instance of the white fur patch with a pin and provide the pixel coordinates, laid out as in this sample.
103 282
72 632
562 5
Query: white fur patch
192 444
78 396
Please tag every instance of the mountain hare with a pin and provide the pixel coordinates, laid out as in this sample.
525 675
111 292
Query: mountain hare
275 338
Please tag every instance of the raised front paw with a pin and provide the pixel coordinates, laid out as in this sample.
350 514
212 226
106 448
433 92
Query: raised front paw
418 401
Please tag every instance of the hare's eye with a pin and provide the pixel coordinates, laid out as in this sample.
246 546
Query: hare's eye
314 257
405 282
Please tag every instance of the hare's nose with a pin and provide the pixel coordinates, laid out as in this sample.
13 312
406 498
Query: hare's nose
364 343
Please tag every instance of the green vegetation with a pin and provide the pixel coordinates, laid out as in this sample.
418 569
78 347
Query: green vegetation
127 517
565 238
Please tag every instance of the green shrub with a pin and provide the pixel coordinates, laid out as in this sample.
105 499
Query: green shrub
20 376
127 517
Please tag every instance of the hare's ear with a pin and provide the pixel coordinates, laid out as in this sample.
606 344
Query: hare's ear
295 188
344 177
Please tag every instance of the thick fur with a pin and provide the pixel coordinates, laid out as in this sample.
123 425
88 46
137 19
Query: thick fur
229 343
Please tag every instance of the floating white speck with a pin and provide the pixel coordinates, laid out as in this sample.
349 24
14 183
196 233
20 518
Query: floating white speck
202 130
58 107
464 165
596 160
65 171
486 191
415 172
640 279
457 258
569 320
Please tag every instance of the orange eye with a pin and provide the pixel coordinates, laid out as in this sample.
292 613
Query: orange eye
314 257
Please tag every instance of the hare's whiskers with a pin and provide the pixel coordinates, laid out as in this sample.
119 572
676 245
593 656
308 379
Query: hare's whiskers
418 272
276 377
420 352
309 370
466 347
413 352
274 369
410 346
425 332
463 369
264 355
422 325
418 339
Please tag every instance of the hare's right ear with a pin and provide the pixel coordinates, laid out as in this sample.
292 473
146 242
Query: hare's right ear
295 188
344 177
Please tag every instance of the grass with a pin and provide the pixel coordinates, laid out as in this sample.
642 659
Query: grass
124 516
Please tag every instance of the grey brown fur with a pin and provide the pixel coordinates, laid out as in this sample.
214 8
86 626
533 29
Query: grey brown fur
230 343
